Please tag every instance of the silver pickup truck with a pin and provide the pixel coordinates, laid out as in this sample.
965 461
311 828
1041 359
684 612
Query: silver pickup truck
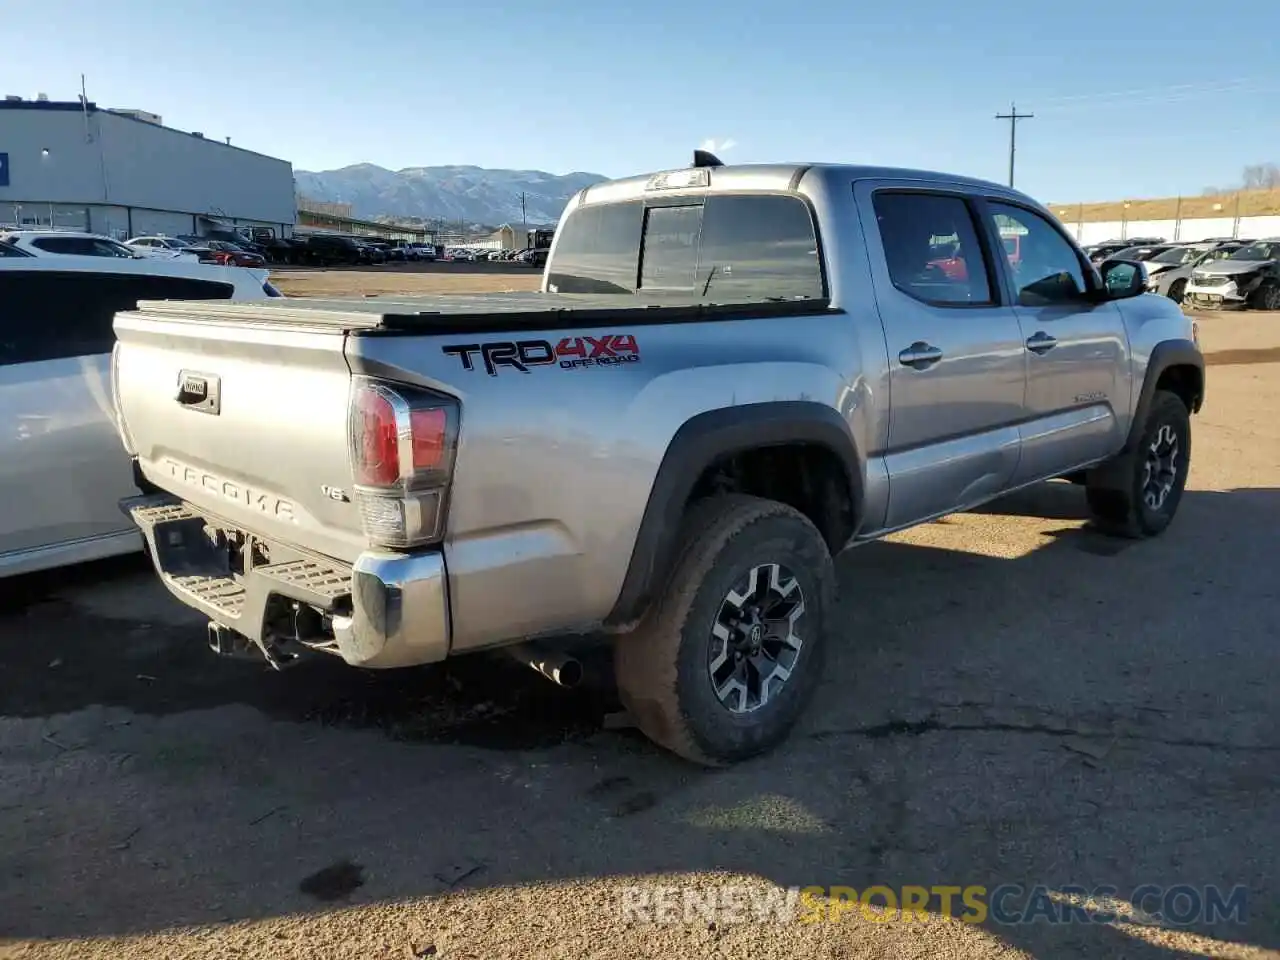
731 374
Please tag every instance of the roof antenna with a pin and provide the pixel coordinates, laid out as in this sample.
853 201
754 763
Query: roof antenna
705 158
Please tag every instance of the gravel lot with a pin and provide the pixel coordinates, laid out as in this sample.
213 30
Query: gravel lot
1012 699
410 278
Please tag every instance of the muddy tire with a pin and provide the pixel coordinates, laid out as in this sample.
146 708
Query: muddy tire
1153 474
725 661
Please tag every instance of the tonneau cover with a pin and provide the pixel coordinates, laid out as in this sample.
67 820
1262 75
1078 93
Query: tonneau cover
468 312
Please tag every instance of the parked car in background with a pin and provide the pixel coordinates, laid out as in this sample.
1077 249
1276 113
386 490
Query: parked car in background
165 248
423 251
1250 276
233 255
327 249
63 466
68 243
1168 272
370 252
1100 252
278 250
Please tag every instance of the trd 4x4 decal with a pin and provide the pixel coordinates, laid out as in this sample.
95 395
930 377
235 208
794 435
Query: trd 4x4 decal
570 353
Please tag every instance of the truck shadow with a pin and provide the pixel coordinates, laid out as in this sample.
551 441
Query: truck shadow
1052 718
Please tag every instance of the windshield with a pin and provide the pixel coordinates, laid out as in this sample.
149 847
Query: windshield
1178 255
1257 251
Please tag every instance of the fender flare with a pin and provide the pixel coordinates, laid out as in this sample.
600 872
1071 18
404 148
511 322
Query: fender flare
698 443
1166 354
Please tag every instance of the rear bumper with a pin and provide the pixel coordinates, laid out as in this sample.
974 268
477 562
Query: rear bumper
386 610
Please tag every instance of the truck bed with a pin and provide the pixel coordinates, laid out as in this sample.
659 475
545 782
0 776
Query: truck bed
477 313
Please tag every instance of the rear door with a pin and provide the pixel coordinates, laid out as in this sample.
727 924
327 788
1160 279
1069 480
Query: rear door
62 467
958 374
1076 348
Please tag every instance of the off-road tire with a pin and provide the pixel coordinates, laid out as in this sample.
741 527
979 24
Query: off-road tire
661 668
1122 510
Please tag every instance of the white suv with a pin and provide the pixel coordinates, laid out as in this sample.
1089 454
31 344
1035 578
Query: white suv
64 466
67 242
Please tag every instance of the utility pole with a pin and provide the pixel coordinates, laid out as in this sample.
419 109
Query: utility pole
524 215
1013 116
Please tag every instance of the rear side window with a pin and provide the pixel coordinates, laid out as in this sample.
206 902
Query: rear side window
82 246
597 250
755 247
931 248
48 315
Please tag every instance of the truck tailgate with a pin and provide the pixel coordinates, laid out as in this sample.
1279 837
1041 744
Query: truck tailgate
244 417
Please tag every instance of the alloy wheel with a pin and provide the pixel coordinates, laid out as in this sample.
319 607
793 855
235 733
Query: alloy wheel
756 638
1160 469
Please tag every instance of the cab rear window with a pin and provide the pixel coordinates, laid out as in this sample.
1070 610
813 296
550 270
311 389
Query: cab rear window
726 249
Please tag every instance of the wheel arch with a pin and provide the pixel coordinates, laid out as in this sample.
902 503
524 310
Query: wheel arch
717 437
1175 365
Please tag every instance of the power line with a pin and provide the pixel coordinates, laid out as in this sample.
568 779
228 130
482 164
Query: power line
1209 86
1013 116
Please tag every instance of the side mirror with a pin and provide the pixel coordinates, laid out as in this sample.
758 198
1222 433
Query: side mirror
1124 278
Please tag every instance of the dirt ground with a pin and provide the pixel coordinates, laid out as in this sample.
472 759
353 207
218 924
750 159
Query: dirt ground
1011 698
412 278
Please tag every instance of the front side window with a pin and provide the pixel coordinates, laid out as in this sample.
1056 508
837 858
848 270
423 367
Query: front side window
931 248
1047 270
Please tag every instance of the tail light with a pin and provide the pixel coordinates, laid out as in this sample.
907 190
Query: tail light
403 442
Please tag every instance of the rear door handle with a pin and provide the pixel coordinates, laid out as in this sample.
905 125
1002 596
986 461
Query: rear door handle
920 355
1041 342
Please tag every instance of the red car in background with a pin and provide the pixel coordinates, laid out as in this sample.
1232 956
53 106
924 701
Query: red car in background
953 265
229 255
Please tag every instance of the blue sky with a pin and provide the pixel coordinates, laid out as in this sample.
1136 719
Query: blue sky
1130 99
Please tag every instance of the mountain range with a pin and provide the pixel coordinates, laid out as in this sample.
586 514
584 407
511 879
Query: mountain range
453 193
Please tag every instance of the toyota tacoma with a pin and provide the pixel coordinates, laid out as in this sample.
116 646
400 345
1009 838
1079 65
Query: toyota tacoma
730 374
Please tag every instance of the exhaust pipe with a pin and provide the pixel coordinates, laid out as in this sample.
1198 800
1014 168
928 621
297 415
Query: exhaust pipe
558 667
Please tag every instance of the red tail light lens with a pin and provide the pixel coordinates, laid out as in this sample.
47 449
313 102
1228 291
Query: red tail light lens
402 447
430 430
375 439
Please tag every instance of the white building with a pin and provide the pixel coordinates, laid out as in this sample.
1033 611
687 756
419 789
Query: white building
73 164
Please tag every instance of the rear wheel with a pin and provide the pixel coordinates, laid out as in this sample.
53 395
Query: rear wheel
723 664
1152 476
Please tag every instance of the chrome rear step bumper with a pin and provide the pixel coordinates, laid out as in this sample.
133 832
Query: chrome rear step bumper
388 610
